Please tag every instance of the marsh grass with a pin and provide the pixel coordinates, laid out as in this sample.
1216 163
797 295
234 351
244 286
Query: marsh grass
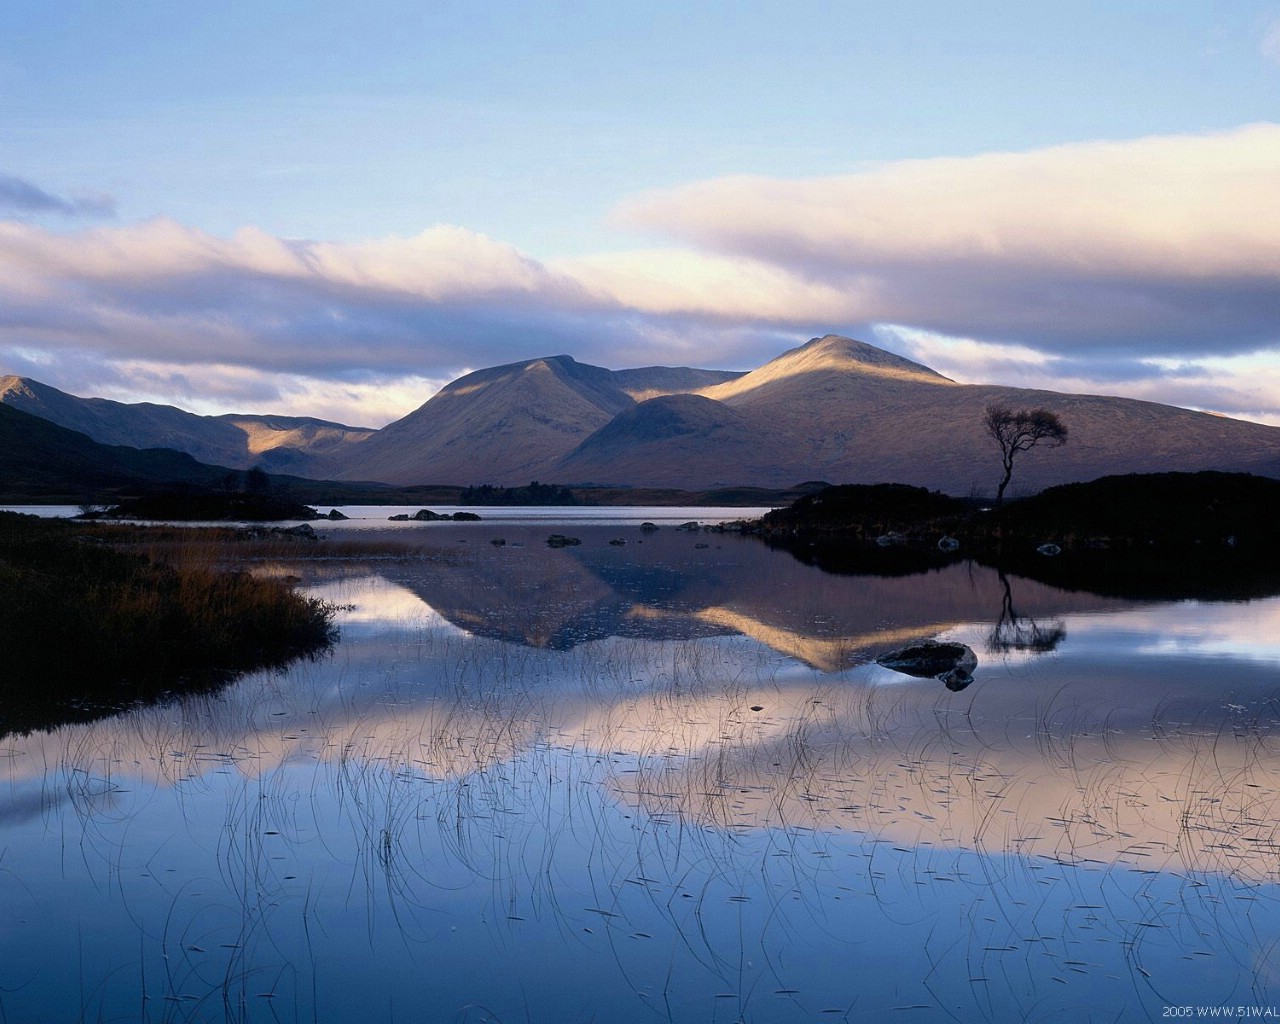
89 628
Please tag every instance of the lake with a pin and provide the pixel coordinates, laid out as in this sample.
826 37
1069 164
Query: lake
659 776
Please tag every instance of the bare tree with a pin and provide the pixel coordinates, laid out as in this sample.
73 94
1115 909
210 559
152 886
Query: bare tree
1020 431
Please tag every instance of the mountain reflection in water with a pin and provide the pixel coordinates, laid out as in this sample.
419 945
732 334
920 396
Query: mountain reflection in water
661 587
615 782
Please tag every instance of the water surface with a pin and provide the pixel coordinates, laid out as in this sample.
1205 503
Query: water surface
664 779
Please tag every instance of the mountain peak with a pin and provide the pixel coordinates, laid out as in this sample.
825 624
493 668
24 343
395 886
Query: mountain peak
836 351
12 384
839 361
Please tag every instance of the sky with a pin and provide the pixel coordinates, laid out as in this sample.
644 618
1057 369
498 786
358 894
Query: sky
331 209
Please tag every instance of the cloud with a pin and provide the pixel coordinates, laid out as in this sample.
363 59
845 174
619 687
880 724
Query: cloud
429 304
1117 266
1161 244
19 197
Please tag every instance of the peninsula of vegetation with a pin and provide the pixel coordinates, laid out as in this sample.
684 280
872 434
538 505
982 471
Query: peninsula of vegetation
92 625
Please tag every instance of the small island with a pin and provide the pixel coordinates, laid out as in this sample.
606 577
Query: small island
1168 534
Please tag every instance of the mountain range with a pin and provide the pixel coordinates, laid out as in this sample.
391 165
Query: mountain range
834 409
280 444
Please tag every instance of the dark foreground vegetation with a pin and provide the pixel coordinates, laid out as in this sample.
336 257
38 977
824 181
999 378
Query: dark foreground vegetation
1210 535
88 629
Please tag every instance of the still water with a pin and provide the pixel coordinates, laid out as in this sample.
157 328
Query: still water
665 780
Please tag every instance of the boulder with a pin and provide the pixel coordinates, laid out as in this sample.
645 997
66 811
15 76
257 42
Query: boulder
403 517
305 530
425 515
559 540
465 517
648 527
689 527
952 663
335 515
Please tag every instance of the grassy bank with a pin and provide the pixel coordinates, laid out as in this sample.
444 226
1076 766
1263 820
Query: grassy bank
88 628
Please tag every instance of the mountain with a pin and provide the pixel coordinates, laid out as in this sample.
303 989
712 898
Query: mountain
841 410
834 409
277 443
508 425
41 461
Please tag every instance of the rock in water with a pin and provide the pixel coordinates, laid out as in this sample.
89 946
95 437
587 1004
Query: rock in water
950 662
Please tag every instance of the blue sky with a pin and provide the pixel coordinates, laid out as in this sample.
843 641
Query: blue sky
332 208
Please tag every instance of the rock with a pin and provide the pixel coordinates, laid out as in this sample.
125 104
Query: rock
689 527
1049 550
305 530
617 542
403 517
952 663
956 680
648 527
499 542
465 517
425 515
559 540
335 515
948 544
702 545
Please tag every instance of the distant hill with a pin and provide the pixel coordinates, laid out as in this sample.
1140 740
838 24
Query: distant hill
276 443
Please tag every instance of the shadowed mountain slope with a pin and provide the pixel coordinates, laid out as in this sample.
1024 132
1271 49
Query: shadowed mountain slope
510 424
277 443
38 459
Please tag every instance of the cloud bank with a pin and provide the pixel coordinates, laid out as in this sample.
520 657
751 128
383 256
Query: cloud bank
1148 267
1159 245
